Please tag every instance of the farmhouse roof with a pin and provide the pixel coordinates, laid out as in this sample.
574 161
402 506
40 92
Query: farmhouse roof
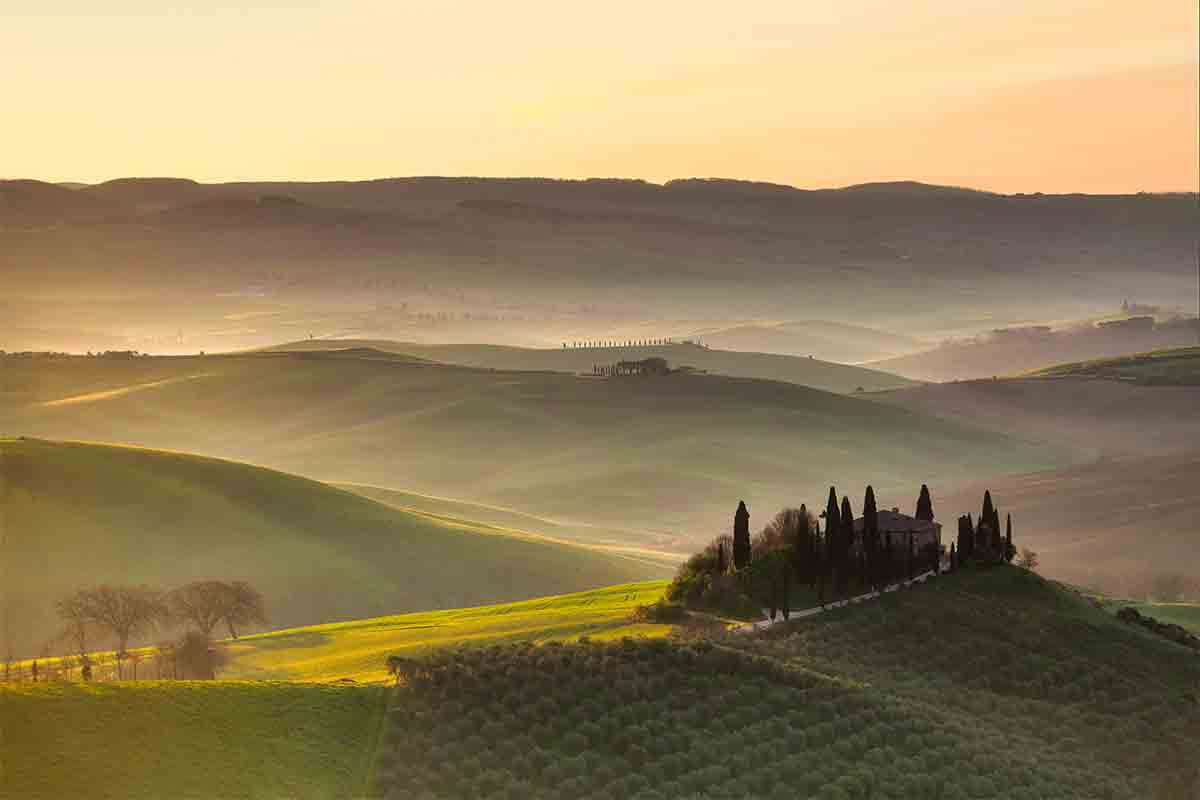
895 522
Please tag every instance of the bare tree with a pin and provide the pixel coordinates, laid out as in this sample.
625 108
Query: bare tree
78 625
126 611
201 603
244 607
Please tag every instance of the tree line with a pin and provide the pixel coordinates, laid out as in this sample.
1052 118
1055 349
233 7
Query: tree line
125 613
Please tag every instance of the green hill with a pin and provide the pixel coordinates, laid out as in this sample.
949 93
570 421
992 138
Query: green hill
81 514
992 684
980 684
1179 366
653 461
826 375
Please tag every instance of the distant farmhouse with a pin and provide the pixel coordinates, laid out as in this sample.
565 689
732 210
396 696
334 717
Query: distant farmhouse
895 528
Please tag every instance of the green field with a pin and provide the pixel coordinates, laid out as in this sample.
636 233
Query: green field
149 740
980 684
658 462
1179 366
358 649
77 515
826 375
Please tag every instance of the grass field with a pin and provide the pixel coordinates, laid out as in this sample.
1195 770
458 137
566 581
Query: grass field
77 515
652 462
1179 366
826 375
979 684
252 741
359 649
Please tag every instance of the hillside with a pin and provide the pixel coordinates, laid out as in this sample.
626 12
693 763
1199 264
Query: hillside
1174 367
529 261
359 649
1104 416
1037 348
837 341
980 685
825 375
145 741
77 515
664 460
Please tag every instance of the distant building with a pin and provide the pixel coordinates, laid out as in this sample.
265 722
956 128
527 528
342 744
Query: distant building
900 525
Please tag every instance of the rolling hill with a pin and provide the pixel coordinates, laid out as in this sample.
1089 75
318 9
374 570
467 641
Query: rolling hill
826 375
1179 366
1037 348
77 515
660 461
529 261
1121 522
981 684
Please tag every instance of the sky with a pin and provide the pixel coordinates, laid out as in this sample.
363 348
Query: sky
1006 95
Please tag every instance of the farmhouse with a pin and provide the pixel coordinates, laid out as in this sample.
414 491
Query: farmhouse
899 526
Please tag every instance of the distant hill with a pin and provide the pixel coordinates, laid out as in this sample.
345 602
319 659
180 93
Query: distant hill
657 462
812 372
532 261
80 514
1174 367
836 341
1013 351
1137 419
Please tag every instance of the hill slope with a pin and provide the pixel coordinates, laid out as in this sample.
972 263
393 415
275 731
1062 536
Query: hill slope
78 514
665 459
826 375
145 741
976 685
980 685
1178 366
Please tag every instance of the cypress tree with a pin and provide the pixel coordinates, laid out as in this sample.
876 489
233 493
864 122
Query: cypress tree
846 556
988 508
924 505
741 536
870 538
833 530
802 546
1009 550
721 565
953 557
997 537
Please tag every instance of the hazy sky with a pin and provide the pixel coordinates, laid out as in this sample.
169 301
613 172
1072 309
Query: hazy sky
1011 95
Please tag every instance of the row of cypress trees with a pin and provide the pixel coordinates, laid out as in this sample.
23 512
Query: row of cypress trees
829 560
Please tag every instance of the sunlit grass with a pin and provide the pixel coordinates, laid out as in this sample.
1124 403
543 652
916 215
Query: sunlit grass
358 649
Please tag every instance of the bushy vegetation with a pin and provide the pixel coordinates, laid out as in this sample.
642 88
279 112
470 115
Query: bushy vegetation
985 683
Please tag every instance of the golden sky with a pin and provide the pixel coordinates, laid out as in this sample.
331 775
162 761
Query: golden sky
1010 95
